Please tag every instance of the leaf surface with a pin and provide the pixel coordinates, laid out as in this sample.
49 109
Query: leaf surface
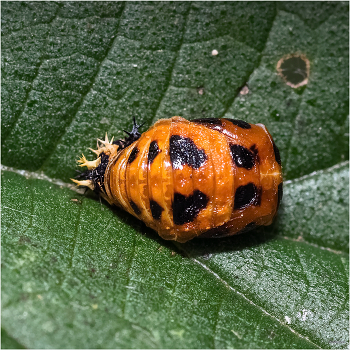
80 274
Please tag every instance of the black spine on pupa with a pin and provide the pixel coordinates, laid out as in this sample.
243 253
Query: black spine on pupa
133 136
97 175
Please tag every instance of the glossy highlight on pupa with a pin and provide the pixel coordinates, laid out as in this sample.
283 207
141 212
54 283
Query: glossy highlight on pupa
186 179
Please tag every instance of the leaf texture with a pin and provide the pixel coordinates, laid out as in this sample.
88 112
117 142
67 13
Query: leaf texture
77 273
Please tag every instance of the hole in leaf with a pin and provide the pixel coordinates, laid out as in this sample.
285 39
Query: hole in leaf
294 69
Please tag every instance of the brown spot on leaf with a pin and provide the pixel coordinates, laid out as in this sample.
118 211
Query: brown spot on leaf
24 240
294 69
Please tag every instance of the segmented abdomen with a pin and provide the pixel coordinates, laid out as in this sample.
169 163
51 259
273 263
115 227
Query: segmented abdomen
183 178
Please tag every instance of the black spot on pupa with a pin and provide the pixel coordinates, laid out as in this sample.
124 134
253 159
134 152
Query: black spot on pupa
247 195
252 225
216 233
256 153
258 197
243 157
153 151
240 123
184 151
211 121
223 231
186 209
280 194
133 155
156 210
277 153
135 208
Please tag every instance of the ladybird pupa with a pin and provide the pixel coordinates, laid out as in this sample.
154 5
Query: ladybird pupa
184 179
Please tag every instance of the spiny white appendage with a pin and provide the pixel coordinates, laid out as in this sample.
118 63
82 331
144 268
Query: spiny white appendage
105 147
86 183
106 142
89 164
95 151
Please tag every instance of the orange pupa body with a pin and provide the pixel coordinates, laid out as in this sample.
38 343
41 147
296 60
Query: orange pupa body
184 179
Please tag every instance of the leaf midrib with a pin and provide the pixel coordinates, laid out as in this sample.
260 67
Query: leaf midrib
40 176
223 281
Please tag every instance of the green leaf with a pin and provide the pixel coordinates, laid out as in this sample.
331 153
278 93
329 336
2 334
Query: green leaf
9 343
77 273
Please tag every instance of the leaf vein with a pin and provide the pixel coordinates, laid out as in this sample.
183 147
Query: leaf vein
303 20
106 95
12 337
216 323
127 284
250 301
174 62
32 82
76 233
60 5
318 172
302 240
233 98
90 89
